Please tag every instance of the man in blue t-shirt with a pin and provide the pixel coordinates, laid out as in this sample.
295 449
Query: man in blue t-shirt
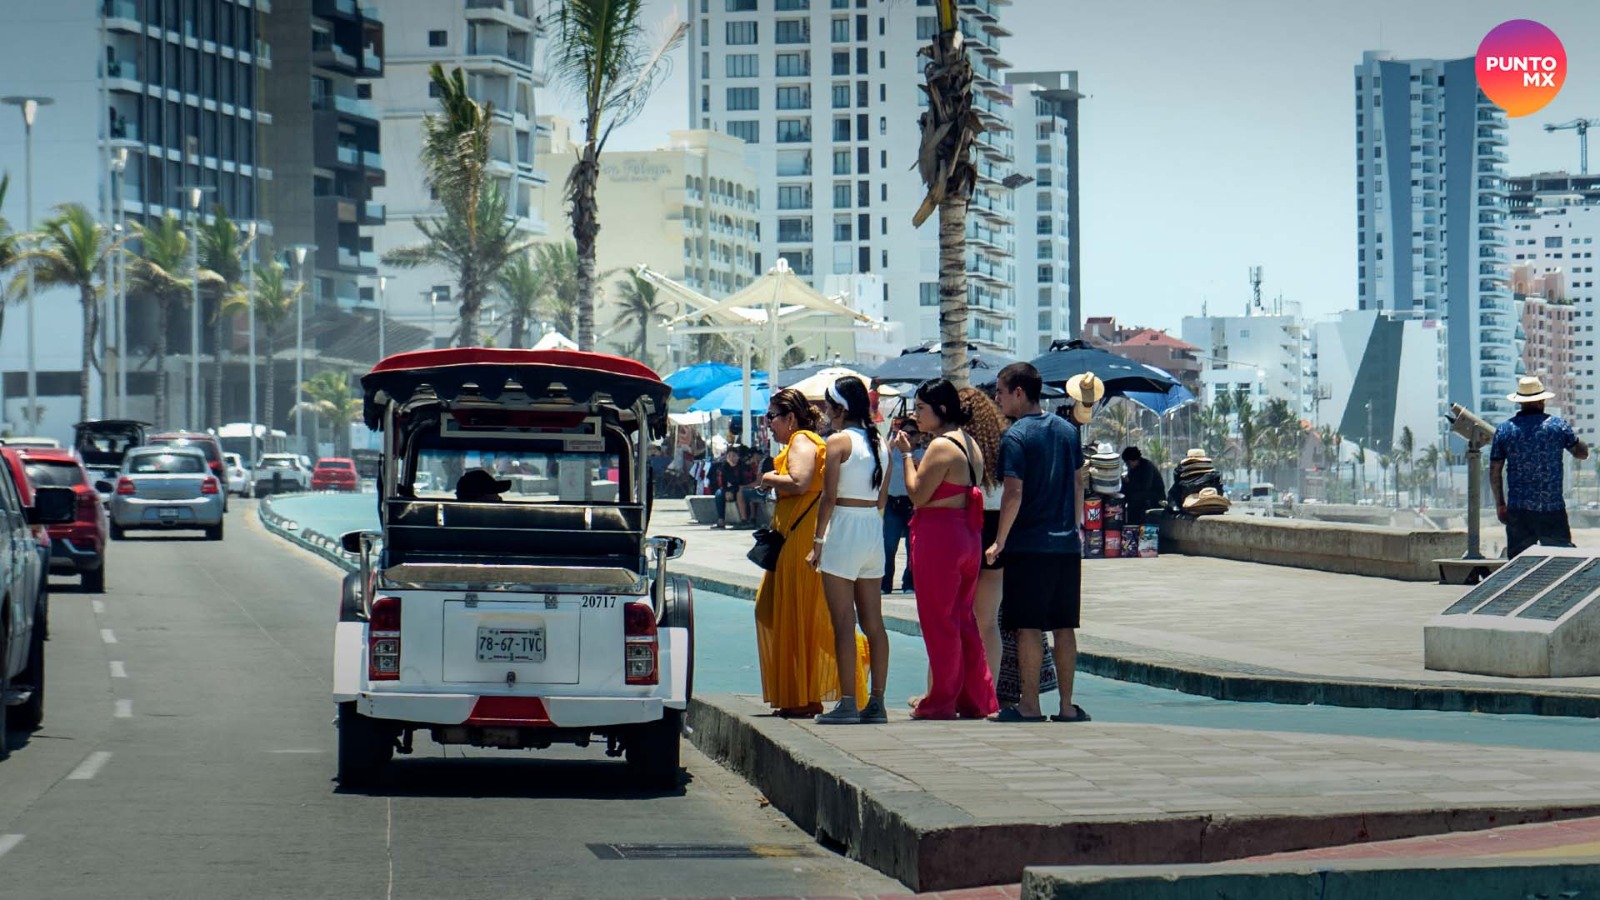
1041 460
1525 471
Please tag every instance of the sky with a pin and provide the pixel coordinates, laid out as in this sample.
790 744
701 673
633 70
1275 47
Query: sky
1220 134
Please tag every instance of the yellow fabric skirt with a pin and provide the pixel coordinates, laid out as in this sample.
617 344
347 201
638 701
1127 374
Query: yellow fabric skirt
794 633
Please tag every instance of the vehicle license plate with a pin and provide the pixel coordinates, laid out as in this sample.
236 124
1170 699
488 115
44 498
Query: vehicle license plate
510 644
167 515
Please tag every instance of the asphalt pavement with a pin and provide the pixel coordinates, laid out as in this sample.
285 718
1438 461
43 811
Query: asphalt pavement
188 751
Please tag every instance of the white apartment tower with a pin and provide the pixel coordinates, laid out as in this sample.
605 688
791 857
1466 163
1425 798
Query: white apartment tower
1045 122
494 43
826 94
1431 209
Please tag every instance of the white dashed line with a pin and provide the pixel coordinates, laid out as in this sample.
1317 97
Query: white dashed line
8 842
91 766
118 670
99 606
107 636
294 750
124 709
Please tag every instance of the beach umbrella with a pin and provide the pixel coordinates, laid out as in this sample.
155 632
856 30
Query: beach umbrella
694 382
920 364
1121 375
729 400
1161 404
816 386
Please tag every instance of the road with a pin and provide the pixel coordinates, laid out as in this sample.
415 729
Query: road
188 751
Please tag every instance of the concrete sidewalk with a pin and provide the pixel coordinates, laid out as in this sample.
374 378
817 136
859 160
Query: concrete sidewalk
1232 630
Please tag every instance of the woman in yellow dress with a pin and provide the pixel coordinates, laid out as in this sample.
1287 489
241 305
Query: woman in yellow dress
794 632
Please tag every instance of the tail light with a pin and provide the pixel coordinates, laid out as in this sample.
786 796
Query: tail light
209 486
88 506
639 644
383 640
125 487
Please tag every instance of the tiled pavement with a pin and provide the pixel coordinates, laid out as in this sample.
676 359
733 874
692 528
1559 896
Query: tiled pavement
1567 839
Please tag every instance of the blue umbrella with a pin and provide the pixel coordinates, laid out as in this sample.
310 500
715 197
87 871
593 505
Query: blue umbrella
1161 404
694 382
729 399
1121 375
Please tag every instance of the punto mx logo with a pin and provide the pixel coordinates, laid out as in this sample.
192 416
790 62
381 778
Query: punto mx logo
1521 66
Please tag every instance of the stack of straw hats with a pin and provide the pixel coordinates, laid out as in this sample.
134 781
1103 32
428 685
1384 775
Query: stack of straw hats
1195 464
1208 502
1105 470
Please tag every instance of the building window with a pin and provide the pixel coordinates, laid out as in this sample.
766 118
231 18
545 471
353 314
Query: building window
841 228
793 31
794 64
741 5
740 33
438 38
794 98
747 129
791 131
841 128
839 31
841 162
841 96
743 65
786 5
841 62
927 27
433 89
841 195
928 293
744 98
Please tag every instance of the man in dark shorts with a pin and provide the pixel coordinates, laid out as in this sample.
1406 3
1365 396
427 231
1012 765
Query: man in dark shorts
1041 460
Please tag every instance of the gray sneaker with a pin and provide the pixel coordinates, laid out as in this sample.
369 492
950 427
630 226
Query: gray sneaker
873 713
843 714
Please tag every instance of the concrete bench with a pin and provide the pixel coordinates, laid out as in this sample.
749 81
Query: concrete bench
1399 553
703 510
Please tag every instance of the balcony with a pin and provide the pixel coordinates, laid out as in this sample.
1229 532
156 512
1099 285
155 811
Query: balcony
333 208
334 57
123 15
513 13
371 62
124 76
372 160
353 107
372 14
342 9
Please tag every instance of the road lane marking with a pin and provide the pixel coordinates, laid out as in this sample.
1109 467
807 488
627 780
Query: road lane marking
124 709
91 766
388 843
295 750
98 605
8 842
107 636
118 670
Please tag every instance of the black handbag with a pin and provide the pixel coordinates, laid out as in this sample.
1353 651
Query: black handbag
769 542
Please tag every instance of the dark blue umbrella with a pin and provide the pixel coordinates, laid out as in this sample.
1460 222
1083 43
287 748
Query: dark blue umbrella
694 382
1161 404
919 364
1121 375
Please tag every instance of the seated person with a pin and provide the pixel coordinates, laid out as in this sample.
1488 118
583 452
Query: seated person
479 486
729 478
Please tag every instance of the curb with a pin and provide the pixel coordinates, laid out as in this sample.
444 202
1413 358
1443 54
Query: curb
896 827
329 548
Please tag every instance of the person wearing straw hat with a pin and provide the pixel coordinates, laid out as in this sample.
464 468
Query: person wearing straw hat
1525 470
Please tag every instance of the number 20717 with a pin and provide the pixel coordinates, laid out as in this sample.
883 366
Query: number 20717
599 601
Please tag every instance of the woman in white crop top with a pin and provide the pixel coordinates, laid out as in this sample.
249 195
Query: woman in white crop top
849 544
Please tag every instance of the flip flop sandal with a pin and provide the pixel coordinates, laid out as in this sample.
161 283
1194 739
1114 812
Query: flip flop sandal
1010 714
1081 716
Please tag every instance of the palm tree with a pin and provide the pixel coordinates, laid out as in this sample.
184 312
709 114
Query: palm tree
71 250
639 305
1430 464
272 305
1406 449
944 160
1118 423
9 245
607 60
520 287
222 249
162 273
1157 451
330 396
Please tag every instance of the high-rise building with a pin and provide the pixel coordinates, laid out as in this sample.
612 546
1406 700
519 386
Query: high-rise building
494 43
827 97
1266 354
169 90
1045 118
1553 233
1375 376
1431 209
325 149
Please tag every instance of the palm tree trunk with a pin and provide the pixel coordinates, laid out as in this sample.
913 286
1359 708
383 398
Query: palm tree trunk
953 288
268 404
585 231
91 326
216 371
163 314
517 324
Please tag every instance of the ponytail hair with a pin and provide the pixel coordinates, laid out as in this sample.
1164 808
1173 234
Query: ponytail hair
850 394
790 400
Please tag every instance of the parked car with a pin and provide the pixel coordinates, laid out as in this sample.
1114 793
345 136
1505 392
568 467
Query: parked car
37 443
280 473
24 610
102 443
205 443
167 488
17 471
335 473
238 475
77 547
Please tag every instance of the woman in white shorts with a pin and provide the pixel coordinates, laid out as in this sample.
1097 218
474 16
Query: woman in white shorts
849 544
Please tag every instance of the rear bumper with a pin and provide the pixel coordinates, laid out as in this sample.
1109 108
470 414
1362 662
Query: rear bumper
132 512
562 712
74 555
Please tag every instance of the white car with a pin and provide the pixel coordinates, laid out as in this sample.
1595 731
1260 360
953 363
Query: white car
281 473
238 475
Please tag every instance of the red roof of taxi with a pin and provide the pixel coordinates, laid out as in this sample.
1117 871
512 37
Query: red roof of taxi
471 356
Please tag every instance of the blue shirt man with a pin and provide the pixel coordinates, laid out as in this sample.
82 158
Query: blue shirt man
897 518
1525 471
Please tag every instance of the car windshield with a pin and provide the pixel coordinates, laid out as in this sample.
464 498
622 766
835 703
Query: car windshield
517 474
166 464
55 474
205 447
277 463
336 465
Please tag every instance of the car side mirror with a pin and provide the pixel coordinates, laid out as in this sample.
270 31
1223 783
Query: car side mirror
673 546
53 506
104 487
351 540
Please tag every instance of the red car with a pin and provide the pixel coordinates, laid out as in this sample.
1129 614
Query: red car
335 473
24 485
77 547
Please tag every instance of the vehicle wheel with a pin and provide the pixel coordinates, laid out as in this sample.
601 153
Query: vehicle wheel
680 614
365 747
653 751
94 581
117 534
30 715
214 533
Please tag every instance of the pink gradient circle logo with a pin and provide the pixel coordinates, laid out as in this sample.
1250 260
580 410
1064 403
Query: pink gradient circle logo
1521 66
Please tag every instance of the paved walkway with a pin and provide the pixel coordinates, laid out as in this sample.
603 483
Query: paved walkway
1555 840
1210 614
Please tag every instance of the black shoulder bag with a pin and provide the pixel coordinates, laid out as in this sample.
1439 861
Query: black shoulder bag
769 542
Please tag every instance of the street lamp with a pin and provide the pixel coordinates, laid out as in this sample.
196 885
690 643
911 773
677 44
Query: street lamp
30 110
193 195
383 284
300 251
119 166
250 311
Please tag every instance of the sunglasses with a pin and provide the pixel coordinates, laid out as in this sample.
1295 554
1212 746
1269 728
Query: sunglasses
775 415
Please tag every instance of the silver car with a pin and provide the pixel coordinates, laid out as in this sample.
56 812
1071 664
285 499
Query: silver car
166 488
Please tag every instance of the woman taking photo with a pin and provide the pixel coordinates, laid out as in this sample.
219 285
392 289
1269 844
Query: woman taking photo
945 553
794 636
849 545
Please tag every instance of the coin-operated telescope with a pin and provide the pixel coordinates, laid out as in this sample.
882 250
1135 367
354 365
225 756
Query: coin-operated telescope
1470 426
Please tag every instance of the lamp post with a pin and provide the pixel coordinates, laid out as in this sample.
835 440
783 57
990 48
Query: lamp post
30 111
250 313
119 301
433 317
194 195
300 251
383 285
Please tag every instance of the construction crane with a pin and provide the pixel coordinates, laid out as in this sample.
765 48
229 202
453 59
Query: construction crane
1582 127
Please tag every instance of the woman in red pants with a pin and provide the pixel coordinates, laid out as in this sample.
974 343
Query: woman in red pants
945 555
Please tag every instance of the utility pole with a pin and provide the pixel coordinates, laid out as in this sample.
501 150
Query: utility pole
30 110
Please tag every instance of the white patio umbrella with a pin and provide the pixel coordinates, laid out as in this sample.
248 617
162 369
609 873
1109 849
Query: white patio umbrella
815 386
555 340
